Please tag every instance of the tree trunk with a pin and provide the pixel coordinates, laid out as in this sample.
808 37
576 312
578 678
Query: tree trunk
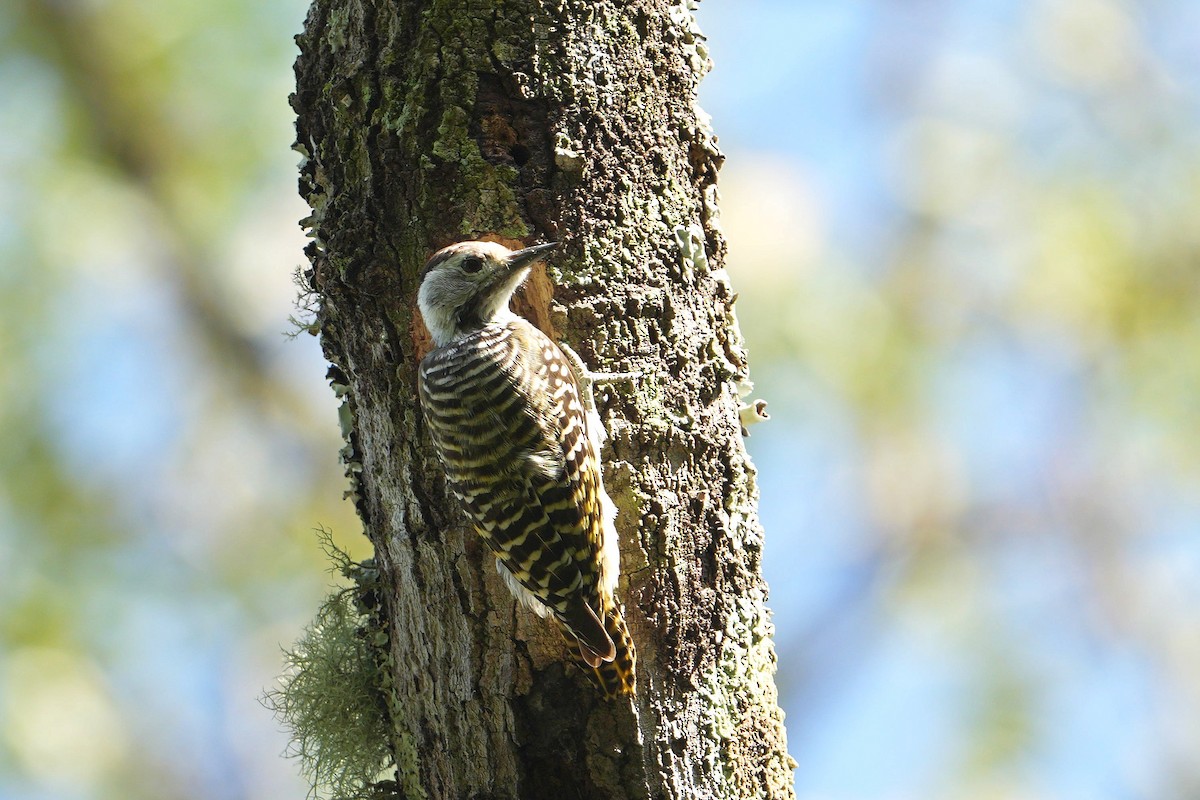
424 123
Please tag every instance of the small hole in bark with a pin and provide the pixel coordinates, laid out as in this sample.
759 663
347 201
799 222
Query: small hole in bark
520 154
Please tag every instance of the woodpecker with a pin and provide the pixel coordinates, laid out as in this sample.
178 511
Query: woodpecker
511 418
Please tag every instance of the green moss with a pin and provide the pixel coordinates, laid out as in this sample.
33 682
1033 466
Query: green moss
453 141
339 19
495 207
484 191
408 767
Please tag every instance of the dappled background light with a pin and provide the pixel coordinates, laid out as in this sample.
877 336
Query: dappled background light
966 244
167 449
981 353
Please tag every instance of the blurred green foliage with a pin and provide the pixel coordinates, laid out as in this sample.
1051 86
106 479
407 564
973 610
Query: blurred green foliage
167 449
990 380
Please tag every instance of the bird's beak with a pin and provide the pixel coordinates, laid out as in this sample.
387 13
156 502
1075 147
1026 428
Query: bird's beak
528 256
511 271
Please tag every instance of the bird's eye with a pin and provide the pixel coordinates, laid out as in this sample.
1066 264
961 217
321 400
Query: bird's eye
472 264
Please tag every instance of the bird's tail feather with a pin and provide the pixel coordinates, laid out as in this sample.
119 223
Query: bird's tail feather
616 677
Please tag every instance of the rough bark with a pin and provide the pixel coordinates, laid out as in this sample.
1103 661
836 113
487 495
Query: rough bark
425 123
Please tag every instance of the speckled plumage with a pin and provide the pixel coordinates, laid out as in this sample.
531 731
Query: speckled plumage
505 412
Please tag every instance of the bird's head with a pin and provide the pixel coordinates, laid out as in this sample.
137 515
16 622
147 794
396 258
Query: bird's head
467 285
